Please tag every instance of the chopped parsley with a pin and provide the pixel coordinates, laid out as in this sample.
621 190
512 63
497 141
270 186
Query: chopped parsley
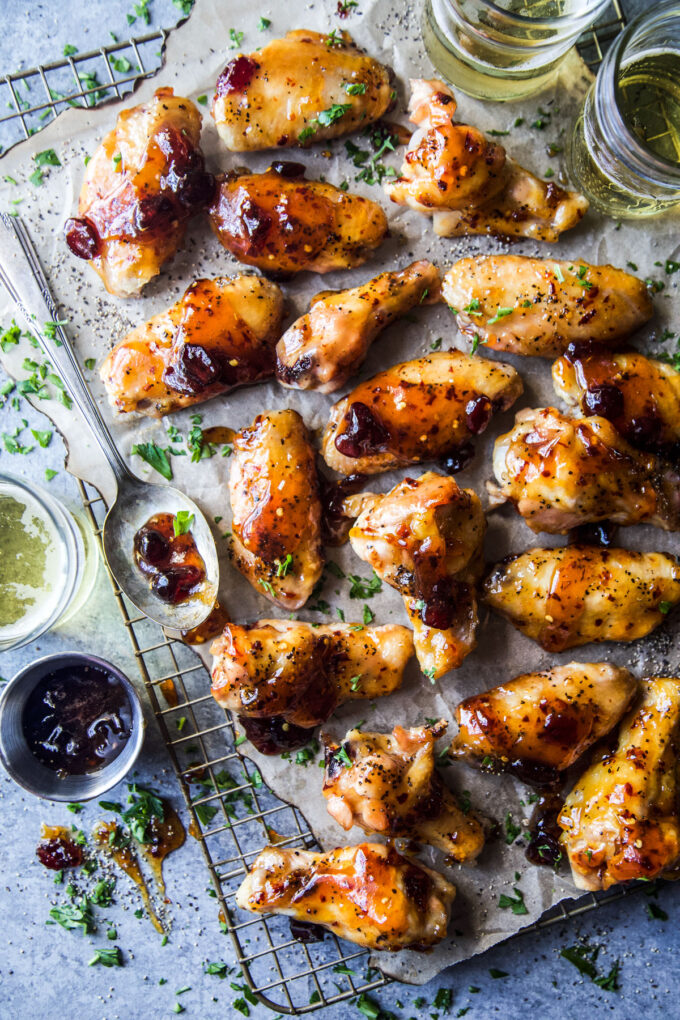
203 100
75 916
182 521
382 140
217 968
263 24
512 831
584 957
355 88
665 607
364 589
476 341
671 267
656 913
368 615
108 957
515 903
429 673
155 456
342 756
283 566
473 307
235 39
501 313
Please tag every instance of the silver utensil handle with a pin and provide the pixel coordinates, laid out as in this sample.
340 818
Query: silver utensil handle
26 283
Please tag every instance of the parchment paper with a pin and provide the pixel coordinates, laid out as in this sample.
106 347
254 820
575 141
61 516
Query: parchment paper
196 53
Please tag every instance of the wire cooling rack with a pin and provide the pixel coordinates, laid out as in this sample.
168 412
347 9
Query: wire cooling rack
231 810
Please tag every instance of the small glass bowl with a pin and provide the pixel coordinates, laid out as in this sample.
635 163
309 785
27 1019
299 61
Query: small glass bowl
25 769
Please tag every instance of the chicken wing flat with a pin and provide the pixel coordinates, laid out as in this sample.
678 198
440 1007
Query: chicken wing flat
575 594
323 348
387 783
539 306
419 410
560 472
539 724
141 186
293 676
221 334
274 491
298 90
467 184
621 821
283 224
638 395
368 894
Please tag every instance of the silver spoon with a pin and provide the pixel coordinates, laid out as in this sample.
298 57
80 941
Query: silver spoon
136 501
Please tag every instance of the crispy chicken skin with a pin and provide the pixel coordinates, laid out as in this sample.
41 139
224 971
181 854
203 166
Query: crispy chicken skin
560 472
415 411
274 492
621 821
368 894
141 186
575 594
545 304
219 335
542 722
640 396
281 95
323 348
387 783
467 184
300 673
283 224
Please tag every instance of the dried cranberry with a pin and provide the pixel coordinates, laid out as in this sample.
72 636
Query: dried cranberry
578 350
439 608
152 547
59 852
364 433
256 223
82 237
197 188
457 459
236 76
194 370
150 212
604 399
176 584
273 735
335 524
288 169
305 931
478 414
602 533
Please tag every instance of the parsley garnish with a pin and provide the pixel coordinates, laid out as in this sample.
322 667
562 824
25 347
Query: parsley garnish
155 456
182 521
283 566
665 607
516 902
263 24
473 307
236 38
109 957
364 589
73 916
368 615
500 314
355 88
217 967
512 831
342 756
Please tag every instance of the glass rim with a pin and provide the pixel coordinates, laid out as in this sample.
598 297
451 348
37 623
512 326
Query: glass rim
524 21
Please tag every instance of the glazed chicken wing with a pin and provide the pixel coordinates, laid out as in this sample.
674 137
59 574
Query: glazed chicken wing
219 335
387 783
538 724
538 306
283 224
575 594
289 676
368 894
560 472
467 184
141 186
327 345
639 396
622 819
274 491
425 409
424 538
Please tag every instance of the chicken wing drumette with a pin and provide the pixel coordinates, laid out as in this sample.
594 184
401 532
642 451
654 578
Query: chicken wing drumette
387 783
283 224
141 186
575 594
219 335
368 894
301 89
621 821
424 538
560 472
467 184
283 678
425 409
538 306
323 348
274 491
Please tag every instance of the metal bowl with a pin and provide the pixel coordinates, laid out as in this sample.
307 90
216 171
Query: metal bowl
21 763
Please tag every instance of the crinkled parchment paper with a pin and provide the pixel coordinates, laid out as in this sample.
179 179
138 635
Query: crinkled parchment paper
195 54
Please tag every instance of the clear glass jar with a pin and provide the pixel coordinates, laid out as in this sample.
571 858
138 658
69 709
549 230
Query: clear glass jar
624 152
504 50
48 562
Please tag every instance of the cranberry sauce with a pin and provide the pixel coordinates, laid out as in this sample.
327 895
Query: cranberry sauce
440 605
193 370
363 433
168 556
274 735
288 169
237 75
544 846
57 848
305 931
82 237
335 524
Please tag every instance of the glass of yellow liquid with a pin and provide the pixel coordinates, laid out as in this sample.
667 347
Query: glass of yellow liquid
625 147
504 50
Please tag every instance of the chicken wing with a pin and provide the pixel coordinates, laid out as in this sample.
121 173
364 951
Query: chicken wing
538 724
292 676
141 186
561 472
219 335
327 345
276 507
639 396
621 821
301 89
424 409
387 783
283 224
575 594
424 538
538 306
368 894
467 184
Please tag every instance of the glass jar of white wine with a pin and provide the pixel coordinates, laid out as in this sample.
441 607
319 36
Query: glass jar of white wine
624 152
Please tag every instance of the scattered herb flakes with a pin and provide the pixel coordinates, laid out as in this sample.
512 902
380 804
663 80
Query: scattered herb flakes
283 566
44 437
90 363
155 456
184 6
120 64
368 615
515 903
75 807
501 313
665 607
182 521
436 344
342 756
368 1007
382 140
496 974
205 812
235 39
69 50
355 88
47 157
217 968
476 341
75 916
512 831
583 956
443 999
263 24
361 588
671 267
145 804
656 913
108 957
50 473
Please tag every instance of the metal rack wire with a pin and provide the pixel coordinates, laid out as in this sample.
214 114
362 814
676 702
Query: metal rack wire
230 807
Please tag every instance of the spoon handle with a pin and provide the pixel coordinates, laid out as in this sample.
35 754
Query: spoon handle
25 281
